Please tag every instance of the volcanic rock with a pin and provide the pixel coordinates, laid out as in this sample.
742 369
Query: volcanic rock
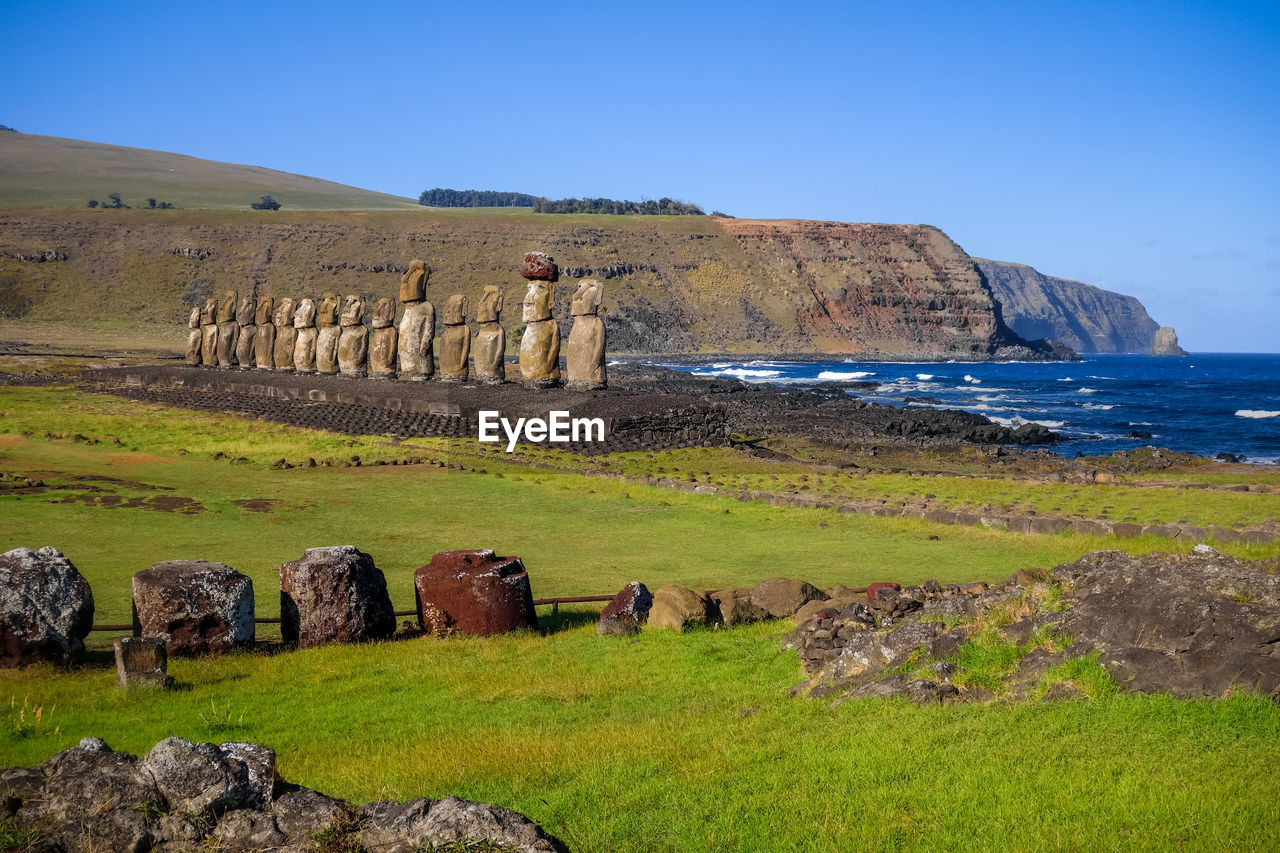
286 334
628 610
46 608
737 608
474 592
334 595
1166 342
196 607
455 342
782 597
417 330
679 608
539 266
489 364
194 337
141 661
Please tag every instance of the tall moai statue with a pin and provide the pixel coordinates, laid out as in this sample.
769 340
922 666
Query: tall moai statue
264 340
540 344
327 337
353 343
488 364
209 333
584 365
194 337
418 325
304 347
246 317
382 351
455 341
286 334
228 330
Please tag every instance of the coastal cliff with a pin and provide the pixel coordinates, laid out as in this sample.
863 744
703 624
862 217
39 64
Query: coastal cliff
672 284
1086 318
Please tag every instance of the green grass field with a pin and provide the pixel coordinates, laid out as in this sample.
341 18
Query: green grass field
661 742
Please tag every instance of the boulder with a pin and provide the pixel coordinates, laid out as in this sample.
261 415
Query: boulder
679 608
334 595
870 652
627 612
141 661
782 597
431 824
474 592
736 607
195 607
204 779
46 608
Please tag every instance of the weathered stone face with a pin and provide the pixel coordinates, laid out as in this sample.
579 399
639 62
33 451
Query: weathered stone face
538 300
227 307
46 608
334 595
194 337
245 343
455 310
488 353
264 345
417 332
384 313
209 313
353 349
382 353
490 305
353 310
228 337
540 354
266 305
413 284
246 310
304 350
305 315
196 607
474 592
327 310
284 312
539 265
209 345
587 299
455 349
327 349
585 360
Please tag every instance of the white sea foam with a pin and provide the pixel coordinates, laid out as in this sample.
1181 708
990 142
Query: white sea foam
1099 407
836 375
1017 422
1066 379
1087 390
924 377
741 373
968 378
1256 413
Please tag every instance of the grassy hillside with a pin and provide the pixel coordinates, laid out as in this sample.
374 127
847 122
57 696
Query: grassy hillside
48 171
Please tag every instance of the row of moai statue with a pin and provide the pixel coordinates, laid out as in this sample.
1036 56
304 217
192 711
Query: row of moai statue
330 338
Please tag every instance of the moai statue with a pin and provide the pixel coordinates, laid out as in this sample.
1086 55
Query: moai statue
286 334
246 315
264 340
418 325
491 340
540 345
455 342
330 331
382 352
209 333
584 365
228 330
194 337
304 347
353 344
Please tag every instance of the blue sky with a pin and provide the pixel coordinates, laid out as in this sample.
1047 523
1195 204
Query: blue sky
1129 145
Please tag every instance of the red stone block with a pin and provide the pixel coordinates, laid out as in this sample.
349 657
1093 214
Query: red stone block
474 592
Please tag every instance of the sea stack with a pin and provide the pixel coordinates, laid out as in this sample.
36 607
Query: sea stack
1166 342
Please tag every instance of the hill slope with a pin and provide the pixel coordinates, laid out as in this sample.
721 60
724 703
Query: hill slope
673 283
1086 318
48 171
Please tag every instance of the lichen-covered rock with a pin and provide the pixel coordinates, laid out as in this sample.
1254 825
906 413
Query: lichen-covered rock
679 608
474 592
421 823
334 595
196 607
204 779
871 652
627 612
46 608
141 661
782 597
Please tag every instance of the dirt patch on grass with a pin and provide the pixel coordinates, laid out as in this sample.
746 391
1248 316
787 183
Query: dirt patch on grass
159 503
132 485
259 504
7 440
135 458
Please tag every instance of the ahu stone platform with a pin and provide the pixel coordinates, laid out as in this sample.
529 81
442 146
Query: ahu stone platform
355 406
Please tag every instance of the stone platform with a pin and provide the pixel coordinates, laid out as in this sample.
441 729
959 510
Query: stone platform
632 420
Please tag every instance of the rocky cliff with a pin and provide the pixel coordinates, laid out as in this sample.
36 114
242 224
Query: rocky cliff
1084 317
673 284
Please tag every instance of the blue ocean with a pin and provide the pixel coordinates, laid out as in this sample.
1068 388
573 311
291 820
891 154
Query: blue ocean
1208 403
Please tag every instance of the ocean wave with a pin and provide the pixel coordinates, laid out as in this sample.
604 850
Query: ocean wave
741 373
1066 379
836 376
1016 422
1256 413
924 377
969 378
1099 407
1087 391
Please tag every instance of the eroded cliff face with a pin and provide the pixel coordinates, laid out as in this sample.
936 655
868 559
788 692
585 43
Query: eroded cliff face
1085 318
672 284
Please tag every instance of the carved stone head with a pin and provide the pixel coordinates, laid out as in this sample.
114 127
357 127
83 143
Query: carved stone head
456 310
587 299
284 312
384 313
265 306
305 316
247 310
537 301
209 313
490 305
327 311
193 322
227 308
413 284
353 310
